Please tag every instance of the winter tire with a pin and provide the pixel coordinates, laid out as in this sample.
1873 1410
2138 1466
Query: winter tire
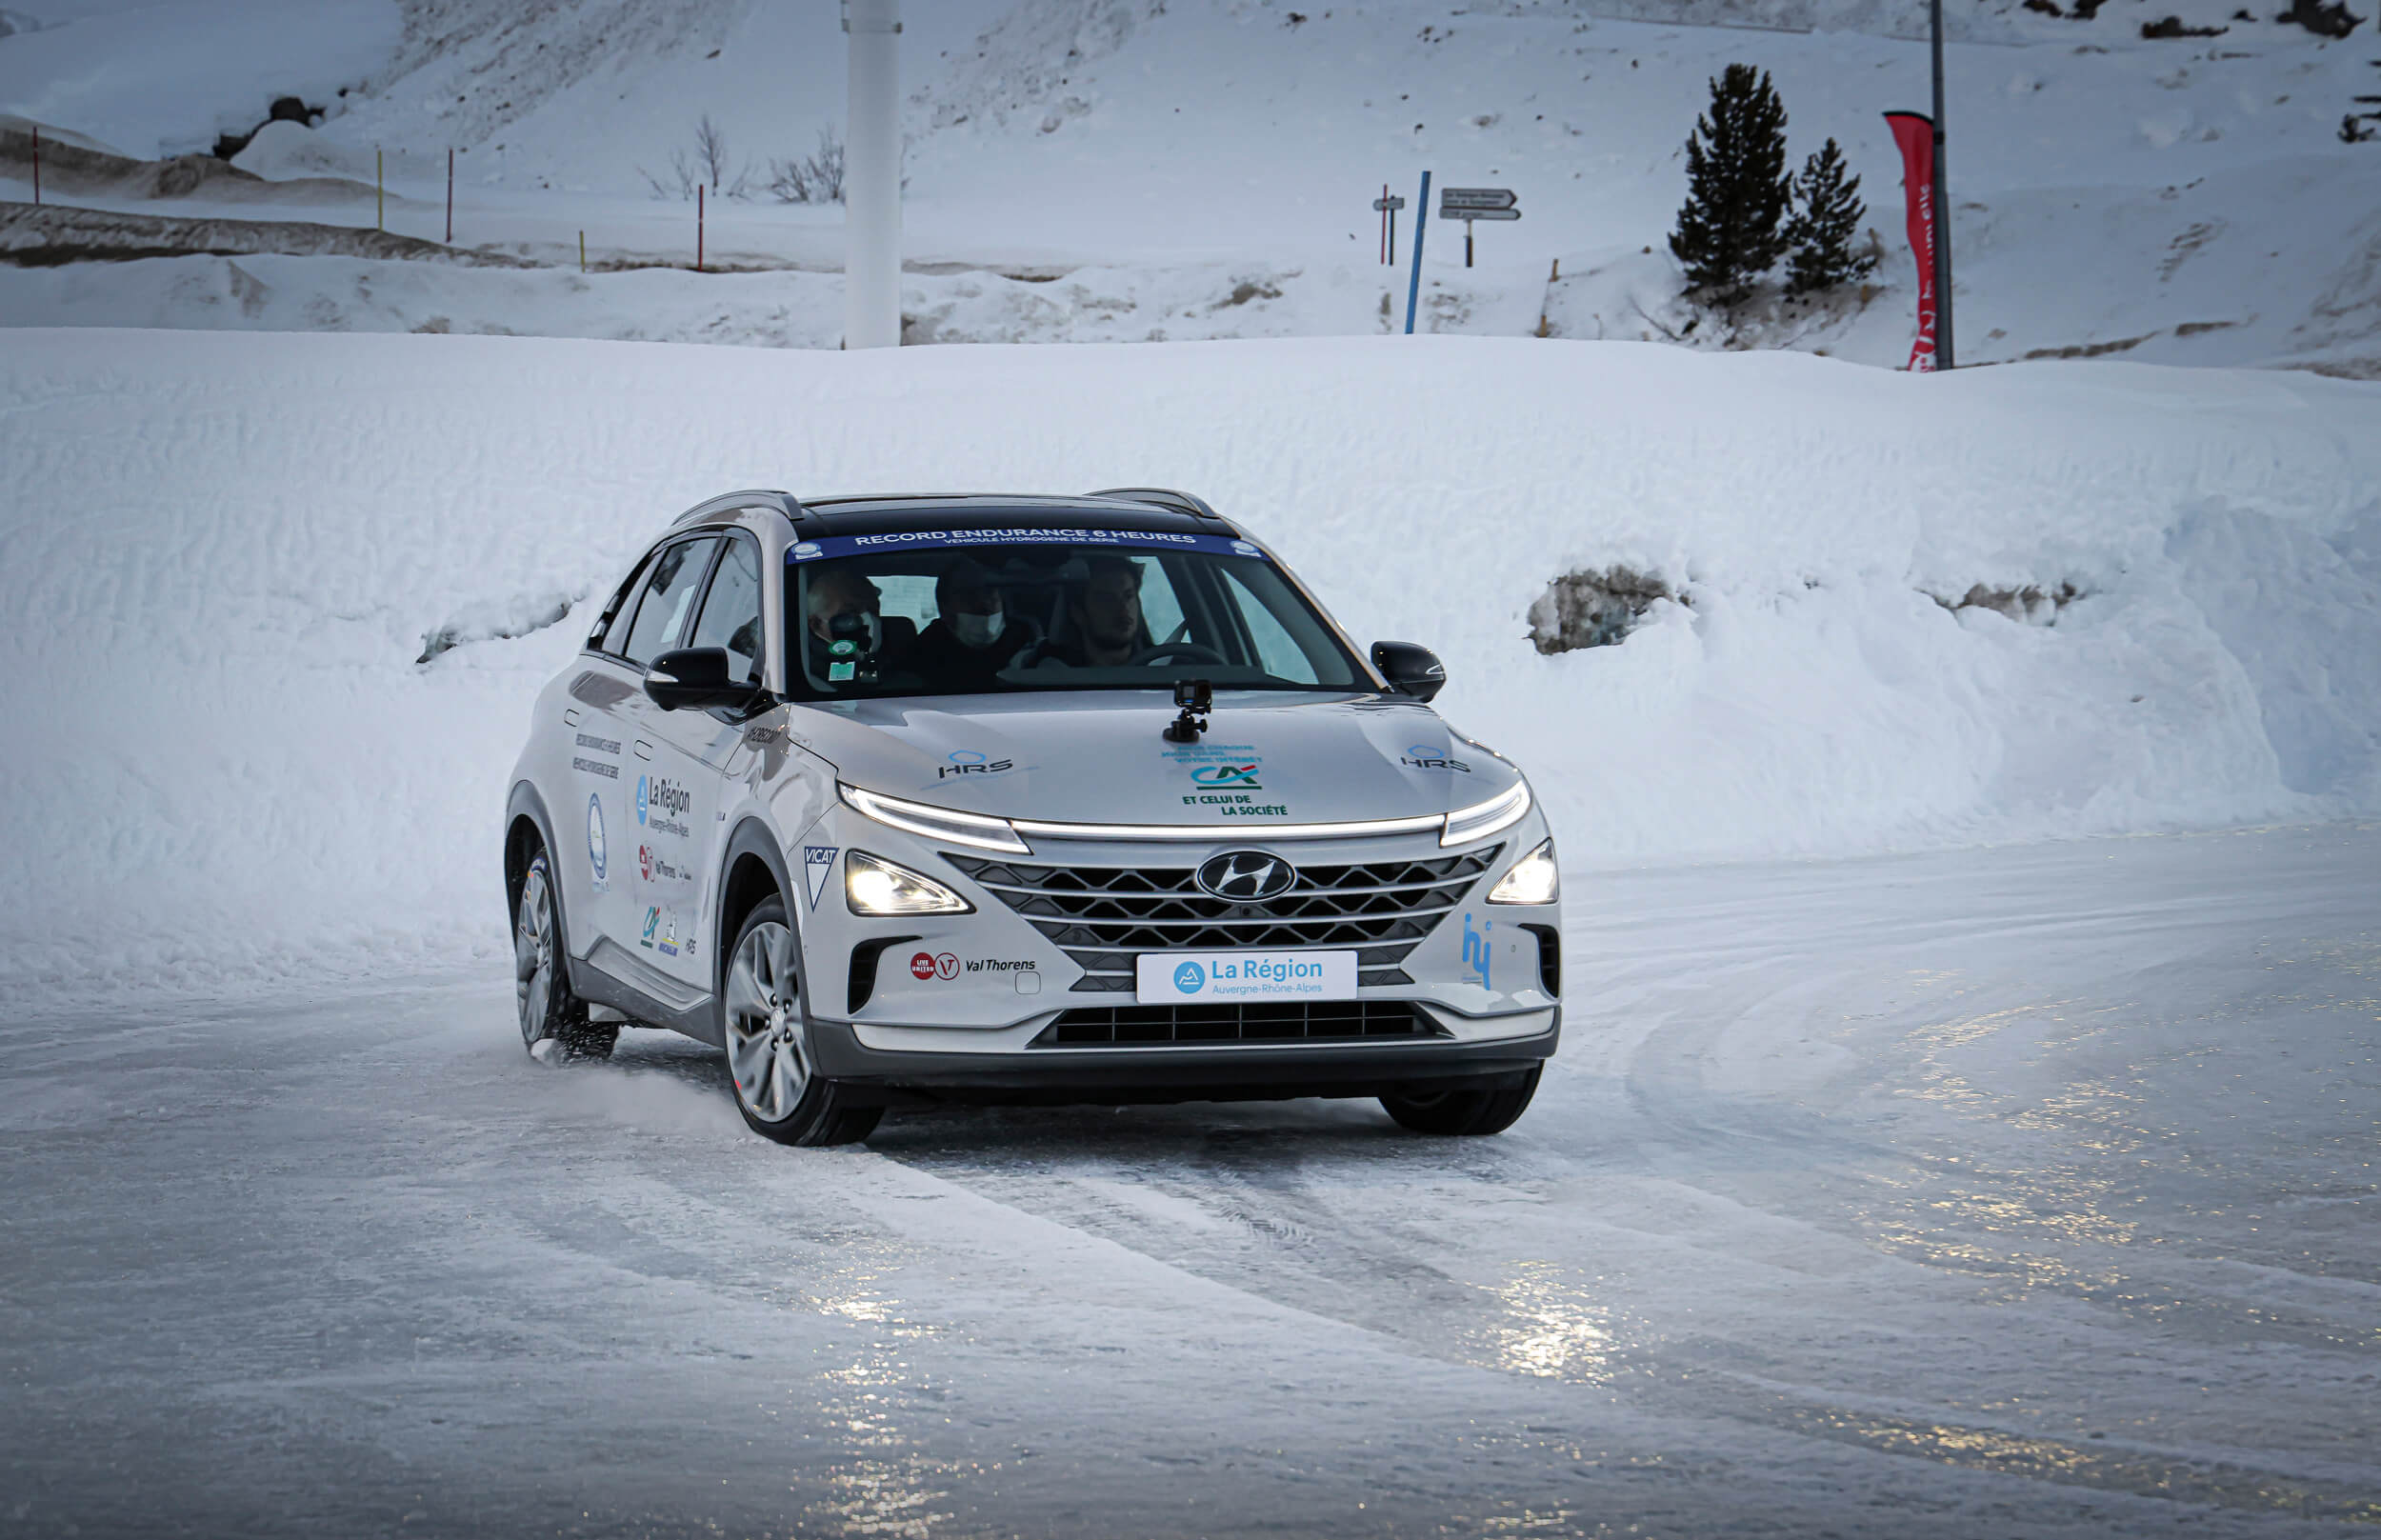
771 1070
1463 1112
553 1021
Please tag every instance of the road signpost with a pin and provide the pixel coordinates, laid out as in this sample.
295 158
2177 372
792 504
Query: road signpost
1468 204
1388 207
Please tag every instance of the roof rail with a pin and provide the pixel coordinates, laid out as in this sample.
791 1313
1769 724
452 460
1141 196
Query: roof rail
784 501
1163 497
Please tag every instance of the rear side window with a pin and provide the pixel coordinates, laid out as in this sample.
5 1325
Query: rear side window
661 611
731 610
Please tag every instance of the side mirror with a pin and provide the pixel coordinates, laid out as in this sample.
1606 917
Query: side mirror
695 678
1415 671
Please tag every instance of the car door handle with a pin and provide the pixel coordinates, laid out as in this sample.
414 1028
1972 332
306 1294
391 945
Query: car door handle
644 750
569 716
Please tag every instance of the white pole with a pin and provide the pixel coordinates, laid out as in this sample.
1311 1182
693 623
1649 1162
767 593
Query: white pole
871 177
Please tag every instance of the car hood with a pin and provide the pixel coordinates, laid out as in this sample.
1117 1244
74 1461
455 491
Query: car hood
1099 757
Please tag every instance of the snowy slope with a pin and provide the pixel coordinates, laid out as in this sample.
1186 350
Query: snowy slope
223 555
2183 200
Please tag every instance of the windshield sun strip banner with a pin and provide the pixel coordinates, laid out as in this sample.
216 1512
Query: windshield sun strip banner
894 540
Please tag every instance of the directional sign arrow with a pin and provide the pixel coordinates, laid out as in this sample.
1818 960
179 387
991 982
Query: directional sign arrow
1445 213
1389 206
1474 198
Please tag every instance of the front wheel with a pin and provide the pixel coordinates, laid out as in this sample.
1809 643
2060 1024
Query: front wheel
553 1021
770 1068
1463 1112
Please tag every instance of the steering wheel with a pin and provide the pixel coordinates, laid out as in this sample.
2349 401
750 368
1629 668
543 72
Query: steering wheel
1191 651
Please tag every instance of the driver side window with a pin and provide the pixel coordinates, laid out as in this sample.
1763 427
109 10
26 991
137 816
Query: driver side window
661 611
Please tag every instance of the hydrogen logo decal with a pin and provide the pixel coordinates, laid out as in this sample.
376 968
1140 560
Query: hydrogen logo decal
1226 778
1426 757
643 797
595 836
806 550
971 762
1190 978
1475 947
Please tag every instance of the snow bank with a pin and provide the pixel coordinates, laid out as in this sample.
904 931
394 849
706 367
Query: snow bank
225 554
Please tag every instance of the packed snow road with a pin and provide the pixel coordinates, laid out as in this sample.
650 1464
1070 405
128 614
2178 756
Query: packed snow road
2016 1191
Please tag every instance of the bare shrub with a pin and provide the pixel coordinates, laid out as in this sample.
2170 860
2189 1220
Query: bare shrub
813 179
707 163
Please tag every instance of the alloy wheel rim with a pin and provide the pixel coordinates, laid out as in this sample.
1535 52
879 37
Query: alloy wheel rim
533 956
767 1056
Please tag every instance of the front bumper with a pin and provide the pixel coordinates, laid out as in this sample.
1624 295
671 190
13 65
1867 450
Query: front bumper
1232 1073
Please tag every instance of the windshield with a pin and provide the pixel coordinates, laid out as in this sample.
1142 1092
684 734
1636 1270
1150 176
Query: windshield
989 612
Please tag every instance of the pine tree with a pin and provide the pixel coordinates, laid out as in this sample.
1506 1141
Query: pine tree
1825 220
1729 231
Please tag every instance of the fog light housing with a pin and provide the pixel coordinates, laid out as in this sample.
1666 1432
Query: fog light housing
1532 879
876 888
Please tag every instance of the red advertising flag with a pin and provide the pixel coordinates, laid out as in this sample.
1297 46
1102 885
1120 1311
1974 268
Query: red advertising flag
1914 133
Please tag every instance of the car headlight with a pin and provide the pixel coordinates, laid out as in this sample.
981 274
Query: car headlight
876 886
969 829
1532 880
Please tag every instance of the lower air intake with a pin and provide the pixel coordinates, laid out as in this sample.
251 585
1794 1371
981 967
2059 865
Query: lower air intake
1334 1021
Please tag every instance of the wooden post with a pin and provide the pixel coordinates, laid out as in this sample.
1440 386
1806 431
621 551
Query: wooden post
380 193
450 196
698 227
37 165
582 250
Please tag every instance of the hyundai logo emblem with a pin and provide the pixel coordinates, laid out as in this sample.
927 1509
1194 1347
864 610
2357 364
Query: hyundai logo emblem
1245 876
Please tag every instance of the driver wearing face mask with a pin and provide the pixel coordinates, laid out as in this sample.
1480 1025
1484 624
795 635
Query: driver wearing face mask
972 637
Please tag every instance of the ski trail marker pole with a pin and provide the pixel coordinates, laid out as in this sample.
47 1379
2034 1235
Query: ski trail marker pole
450 196
380 194
1421 228
698 227
36 166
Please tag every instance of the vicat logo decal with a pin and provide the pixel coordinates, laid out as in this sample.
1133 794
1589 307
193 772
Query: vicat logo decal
1424 756
1226 778
969 762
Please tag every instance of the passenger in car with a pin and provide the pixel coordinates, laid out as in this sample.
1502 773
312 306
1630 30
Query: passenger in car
971 638
1106 616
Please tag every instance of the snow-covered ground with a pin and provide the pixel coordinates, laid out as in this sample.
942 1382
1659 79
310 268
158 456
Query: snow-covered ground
225 554
2180 200
1976 1194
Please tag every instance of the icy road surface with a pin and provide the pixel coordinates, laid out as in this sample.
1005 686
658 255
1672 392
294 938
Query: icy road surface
1996 1193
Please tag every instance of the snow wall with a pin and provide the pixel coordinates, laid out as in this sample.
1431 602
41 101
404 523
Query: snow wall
224 553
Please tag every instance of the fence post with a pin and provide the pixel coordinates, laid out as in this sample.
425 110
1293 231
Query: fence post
698 227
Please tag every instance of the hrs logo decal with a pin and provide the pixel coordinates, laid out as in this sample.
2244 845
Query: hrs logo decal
970 762
1426 757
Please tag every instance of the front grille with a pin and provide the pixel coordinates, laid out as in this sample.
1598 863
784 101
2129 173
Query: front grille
1102 916
1293 1021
